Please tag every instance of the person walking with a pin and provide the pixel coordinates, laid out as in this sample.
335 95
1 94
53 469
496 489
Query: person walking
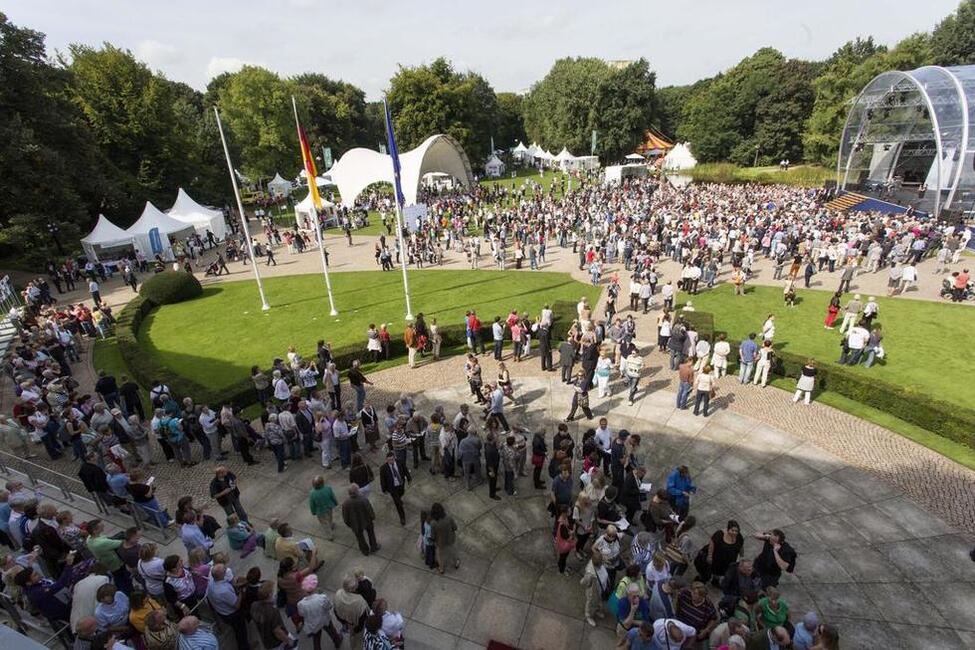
492 462
321 502
580 398
567 358
832 311
392 480
469 452
496 407
444 530
358 515
747 354
632 367
851 313
685 373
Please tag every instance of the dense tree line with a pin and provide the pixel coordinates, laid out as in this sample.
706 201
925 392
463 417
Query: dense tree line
98 131
768 108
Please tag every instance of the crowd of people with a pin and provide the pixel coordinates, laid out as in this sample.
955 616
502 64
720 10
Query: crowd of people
629 546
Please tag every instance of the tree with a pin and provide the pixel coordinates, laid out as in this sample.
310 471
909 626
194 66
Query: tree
511 122
336 114
430 99
255 104
623 109
557 110
670 102
953 40
52 167
781 115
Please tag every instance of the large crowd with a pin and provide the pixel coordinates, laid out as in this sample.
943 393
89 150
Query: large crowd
629 547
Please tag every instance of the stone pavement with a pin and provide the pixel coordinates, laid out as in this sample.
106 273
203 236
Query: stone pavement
887 572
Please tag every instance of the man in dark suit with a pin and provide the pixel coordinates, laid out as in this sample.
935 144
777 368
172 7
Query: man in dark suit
567 358
392 479
545 346
306 427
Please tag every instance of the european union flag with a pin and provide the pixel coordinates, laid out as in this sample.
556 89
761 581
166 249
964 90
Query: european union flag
394 154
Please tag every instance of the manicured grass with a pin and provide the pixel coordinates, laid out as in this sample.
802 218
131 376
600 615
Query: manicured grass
215 339
924 340
106 356
526 173
805 175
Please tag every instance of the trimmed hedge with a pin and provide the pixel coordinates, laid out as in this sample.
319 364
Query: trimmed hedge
947 420
170 287
144 369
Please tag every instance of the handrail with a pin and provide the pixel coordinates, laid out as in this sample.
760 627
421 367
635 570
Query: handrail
76 495
59 636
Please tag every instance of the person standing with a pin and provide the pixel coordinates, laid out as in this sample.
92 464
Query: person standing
496 407
846 277
766 356
497 332
225 490
358 515
806 382
392 480
632 367
444 537
226 602
409 339
705 390
567 358
685 373
492 462
832 310
358 382
747 354
545 346
321 502
469 451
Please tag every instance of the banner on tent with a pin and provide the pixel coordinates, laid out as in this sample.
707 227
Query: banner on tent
155 241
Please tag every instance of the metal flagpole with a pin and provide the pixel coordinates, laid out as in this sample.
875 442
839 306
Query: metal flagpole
394 155
402 259
318 225
243 217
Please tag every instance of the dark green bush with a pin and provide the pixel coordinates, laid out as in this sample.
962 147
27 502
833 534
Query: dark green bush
169 287
702 321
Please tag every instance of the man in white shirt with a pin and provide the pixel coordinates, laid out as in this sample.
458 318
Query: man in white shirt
856 341
604 440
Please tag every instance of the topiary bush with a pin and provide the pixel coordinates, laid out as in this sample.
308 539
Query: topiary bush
170 287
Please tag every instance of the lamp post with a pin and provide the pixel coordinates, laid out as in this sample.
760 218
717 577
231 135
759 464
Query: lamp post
53 229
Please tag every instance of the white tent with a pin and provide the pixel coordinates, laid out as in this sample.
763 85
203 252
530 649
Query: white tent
577 163
493 168
152 232
103 236
305 209
680 157
278 186
563 156
616 173
635 156
520 152
187 210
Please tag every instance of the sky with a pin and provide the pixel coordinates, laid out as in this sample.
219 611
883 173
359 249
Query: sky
513 44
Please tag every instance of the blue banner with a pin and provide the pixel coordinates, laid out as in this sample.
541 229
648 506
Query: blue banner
155 241
394 154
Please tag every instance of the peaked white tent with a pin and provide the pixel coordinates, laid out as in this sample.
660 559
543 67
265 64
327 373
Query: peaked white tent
635 156
680 157
493 168
187 210
305 209
520 152
152 232
563 156
278 186
103 236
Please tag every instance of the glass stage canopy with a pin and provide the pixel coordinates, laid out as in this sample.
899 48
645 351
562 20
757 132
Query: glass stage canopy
909 139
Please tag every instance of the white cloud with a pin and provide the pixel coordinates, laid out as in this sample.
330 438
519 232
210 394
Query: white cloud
156 54
220 64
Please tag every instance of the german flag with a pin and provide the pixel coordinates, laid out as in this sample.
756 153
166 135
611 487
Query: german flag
309 161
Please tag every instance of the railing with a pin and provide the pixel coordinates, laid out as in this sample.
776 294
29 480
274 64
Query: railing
27 625
47 483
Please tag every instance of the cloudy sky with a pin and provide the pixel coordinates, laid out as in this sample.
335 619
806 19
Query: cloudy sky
511 43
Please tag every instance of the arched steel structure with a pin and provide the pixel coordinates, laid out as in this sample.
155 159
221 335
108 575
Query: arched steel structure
909 136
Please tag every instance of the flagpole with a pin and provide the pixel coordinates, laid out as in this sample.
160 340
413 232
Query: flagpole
243 217
402 259
318 225
399 215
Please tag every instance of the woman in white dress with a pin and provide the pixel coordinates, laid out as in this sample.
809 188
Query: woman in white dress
372 342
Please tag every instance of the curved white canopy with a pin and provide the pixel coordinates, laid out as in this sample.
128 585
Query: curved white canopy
358 168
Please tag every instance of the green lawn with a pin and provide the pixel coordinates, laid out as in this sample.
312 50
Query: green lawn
525 173
805 175
924 340
215 339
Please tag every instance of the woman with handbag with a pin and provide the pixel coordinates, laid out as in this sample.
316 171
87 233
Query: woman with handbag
595 582
679 551
564 538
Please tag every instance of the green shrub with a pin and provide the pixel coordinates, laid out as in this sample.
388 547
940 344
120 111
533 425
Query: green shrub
702 321
170 287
